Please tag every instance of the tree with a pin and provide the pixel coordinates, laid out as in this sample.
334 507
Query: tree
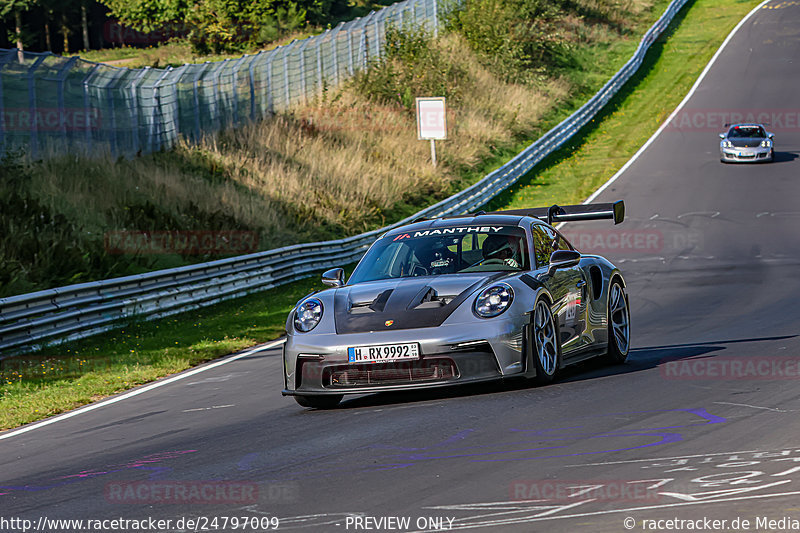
17 7
147 15
221 25
84 26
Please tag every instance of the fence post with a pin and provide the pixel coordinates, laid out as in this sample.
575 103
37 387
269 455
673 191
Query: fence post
302 52
253 85
270 98
176 114
320 80
5 59
61 76
377 36
335 52
216 119
88 133
113 115
286 72
435 18
196 95
350 32
135 109
32 104
362 42
235 87
156 128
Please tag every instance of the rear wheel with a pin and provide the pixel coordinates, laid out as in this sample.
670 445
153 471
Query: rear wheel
619 324
319 402
546 345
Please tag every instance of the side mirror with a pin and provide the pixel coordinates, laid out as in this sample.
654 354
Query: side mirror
771 135
563 259
333 277
721 135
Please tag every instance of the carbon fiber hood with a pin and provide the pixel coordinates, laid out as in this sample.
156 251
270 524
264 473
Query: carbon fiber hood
405 303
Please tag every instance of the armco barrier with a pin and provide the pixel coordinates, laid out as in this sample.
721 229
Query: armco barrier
66 313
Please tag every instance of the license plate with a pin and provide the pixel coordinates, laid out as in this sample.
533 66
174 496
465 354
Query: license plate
383 352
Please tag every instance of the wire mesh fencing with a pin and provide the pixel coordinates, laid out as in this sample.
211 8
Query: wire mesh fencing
55 104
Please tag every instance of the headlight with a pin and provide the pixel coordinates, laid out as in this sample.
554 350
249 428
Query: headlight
493 301
307 315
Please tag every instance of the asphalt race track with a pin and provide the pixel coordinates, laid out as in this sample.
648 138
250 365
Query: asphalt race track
703 422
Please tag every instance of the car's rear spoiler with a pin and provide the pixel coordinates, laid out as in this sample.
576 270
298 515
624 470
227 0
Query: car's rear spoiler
570 213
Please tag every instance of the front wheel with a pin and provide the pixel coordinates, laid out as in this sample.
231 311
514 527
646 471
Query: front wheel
619 324
546 345
319 402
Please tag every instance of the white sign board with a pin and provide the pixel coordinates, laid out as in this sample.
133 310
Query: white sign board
431 119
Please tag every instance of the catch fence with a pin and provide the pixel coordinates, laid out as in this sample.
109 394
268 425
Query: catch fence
51 104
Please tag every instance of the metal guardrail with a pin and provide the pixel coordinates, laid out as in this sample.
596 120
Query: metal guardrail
56 315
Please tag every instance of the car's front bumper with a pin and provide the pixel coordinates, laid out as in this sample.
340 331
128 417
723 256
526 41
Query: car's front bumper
759 154
449 355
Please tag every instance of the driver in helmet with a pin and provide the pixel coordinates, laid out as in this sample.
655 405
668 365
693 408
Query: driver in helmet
504 248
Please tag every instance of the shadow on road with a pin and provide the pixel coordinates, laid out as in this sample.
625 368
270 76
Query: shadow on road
639 359
653 356
784 157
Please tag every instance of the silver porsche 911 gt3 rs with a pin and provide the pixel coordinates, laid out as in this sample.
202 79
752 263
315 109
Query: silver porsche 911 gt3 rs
746 143
459 300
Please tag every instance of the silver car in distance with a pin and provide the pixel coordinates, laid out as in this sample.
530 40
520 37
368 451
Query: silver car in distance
459 300
746 143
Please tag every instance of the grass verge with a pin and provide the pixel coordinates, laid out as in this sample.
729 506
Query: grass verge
64 377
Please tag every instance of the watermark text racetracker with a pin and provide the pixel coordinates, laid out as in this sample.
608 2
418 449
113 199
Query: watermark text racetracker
182 492
758 523
598 241
25 119
718 119
554 490
121 525
181 242
731 368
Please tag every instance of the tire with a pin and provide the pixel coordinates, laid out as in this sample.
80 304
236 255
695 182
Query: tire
619 324
545 343
319 402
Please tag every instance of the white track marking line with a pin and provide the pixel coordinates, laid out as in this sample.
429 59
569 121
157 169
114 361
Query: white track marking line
680 106
669 458
752 406
208 408
136 392
522 520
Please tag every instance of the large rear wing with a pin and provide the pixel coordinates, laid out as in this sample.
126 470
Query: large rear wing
571 213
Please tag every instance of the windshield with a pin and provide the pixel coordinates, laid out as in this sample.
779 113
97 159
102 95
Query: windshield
747 131
450 250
